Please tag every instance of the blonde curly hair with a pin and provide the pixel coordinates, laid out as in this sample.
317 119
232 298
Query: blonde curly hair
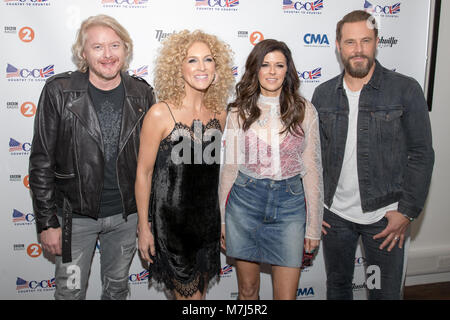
167 75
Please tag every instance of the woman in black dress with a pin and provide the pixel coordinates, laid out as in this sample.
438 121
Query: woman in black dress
178 165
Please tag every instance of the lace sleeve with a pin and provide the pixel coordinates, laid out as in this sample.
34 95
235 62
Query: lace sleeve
229 168
312 181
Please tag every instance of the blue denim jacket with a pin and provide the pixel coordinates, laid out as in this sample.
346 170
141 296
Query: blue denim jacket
395 156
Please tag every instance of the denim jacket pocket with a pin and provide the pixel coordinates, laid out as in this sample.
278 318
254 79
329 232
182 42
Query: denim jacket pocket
387 115
387 121
387 150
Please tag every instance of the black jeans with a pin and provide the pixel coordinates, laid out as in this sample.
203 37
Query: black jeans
339 247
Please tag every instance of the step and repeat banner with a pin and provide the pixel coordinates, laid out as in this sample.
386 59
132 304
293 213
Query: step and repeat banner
36 38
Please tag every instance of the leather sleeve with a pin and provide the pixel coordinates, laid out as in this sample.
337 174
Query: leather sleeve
42 159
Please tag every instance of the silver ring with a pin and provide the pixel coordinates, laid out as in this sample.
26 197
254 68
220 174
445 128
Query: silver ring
395 238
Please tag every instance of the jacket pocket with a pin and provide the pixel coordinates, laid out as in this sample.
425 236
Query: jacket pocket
387 115
242 181
387 146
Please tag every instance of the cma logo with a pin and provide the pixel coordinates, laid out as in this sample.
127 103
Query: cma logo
316 39
312 6
305 292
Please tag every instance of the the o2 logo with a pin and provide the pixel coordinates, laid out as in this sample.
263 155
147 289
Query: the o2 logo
256 37
34 250
28 109
26 34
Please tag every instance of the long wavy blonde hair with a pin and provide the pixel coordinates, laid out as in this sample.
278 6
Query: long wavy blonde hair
105 21
167 77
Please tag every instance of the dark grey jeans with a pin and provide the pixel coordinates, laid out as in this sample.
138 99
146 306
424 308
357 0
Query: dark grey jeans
339 246
117 247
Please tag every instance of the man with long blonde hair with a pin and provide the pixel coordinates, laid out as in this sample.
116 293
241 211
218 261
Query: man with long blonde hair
83 161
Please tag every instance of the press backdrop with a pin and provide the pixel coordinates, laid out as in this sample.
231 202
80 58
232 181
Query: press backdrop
36 39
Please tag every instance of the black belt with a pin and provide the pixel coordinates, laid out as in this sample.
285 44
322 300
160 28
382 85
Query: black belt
67 232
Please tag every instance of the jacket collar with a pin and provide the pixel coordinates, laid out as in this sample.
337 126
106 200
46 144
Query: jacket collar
375 80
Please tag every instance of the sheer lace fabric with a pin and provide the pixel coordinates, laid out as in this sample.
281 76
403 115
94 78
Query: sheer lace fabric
262 152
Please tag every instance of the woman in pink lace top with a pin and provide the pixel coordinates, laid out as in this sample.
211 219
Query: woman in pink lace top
271 189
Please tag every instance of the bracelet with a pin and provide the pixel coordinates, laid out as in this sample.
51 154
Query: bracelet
408 217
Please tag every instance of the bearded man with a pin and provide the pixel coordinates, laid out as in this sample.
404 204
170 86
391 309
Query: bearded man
377 158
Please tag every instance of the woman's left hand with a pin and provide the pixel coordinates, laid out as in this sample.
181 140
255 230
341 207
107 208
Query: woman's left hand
311 245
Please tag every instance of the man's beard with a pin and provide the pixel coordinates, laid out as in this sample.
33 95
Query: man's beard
360 70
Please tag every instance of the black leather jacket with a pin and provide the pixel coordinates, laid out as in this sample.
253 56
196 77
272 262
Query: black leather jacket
66 160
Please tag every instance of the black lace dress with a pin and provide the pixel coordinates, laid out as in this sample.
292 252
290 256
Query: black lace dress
184 207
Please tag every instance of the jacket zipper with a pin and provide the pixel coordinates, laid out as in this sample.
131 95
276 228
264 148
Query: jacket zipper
117 170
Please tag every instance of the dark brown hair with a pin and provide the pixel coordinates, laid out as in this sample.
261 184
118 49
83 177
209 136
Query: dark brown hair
292 105
356 16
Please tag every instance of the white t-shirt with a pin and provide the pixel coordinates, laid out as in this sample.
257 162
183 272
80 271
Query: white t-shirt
347 199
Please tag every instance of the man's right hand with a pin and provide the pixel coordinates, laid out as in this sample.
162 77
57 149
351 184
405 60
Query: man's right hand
51 241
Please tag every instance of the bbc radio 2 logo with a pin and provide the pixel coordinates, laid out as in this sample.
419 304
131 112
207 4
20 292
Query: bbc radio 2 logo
303 7
27 108
124 3
34 286
389 11
18 177
24 74
27 2
34 250
25 34
217 5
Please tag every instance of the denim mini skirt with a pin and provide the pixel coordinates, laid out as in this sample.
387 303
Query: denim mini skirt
265 220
